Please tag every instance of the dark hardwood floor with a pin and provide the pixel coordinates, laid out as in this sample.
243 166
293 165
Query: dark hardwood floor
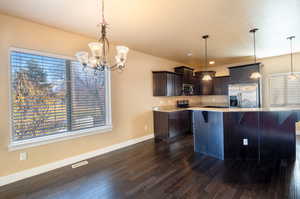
160 170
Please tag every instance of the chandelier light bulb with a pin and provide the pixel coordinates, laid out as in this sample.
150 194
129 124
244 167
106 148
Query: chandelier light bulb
118 59
96 49
83 57
93 62
122 50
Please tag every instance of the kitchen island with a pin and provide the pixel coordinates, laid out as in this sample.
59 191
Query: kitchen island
244 133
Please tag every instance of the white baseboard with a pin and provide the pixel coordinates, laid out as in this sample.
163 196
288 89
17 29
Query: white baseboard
55 165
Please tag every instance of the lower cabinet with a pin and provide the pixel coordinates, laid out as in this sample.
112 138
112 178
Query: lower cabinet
241 135
208 136
168 125
278 131
259 135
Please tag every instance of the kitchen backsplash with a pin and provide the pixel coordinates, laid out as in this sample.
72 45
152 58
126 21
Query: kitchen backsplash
193 100
171 101
214 99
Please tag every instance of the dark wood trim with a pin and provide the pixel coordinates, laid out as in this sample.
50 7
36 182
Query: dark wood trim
183 67
164 72
222 76
241 66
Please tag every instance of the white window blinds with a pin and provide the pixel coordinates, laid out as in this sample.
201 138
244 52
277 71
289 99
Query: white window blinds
87 97
38 94
283 91
52 96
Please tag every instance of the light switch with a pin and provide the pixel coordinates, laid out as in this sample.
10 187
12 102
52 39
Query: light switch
23 156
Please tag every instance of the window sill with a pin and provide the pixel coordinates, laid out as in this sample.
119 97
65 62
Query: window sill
57 137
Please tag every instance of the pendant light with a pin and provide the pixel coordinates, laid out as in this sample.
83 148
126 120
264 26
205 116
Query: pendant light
206 77
292 75
254 75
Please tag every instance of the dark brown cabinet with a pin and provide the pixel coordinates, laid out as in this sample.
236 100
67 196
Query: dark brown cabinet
168 125
197 85
187 74
178 84
270 135
205 87
240 126
241 74
221 85
166 83
278 131
207 137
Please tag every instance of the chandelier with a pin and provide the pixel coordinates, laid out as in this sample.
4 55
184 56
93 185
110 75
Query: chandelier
100 52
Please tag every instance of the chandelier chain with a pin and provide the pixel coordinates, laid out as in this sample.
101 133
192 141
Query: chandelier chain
103 18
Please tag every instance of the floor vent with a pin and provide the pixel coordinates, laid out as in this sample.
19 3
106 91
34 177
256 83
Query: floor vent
79 164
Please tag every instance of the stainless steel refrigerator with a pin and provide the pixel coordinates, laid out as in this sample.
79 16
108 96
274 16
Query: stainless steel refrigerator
245 95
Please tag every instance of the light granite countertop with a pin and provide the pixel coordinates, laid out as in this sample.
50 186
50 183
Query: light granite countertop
203 108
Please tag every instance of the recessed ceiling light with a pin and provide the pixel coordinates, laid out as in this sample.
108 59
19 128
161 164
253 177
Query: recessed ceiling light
212 62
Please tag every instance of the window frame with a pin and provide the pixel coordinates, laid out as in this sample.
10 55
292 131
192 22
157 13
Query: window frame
16 145
285 86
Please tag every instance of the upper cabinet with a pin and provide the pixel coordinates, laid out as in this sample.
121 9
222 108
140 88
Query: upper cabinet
197 85
204 87
178 84
187 74
221 85
166 83
241 74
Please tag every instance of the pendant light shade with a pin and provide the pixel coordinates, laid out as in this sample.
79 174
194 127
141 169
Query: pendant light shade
206 77
96 49
254 75
292 76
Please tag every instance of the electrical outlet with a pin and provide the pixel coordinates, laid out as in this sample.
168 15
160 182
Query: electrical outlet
23 156
245 142
146 127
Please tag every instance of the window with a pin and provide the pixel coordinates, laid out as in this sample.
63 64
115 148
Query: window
283 91
52 97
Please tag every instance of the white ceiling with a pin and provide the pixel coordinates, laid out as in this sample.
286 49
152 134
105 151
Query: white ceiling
172 28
